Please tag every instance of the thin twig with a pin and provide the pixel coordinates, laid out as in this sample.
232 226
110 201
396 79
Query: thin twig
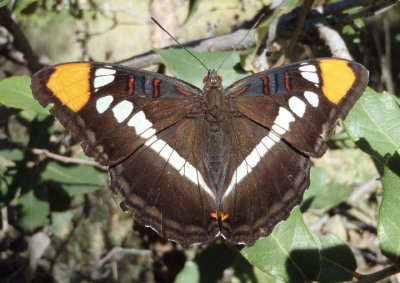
218 43
363 190
116 251
20 41
65 159
57 157
339 7
284 30
387 59
302 17
379 275
332 39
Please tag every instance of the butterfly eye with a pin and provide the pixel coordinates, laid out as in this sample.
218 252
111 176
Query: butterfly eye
219 78
206 79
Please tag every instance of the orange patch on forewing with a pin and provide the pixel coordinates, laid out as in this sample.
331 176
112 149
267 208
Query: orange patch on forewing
70 83
287 83
265 81
183 92
337 79
130 84
156 88
240 91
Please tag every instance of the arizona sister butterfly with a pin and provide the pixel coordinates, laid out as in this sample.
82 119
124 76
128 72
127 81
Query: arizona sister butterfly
195 164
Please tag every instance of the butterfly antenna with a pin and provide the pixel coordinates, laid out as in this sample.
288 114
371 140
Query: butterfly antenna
187 50
237 44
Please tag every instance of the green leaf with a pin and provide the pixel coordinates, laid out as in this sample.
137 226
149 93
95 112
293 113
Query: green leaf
61 222
11 160
3 3
389 212
189 273
289 253
212 271
4 164
15 92
32 206
321 195
22 4
373 124
338 262
75 179
187 68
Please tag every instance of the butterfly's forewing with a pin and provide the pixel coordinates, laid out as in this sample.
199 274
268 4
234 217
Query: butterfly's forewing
107 107
301 102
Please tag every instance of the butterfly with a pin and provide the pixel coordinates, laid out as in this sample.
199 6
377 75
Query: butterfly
196 165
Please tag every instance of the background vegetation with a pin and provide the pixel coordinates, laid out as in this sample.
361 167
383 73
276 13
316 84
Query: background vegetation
60 222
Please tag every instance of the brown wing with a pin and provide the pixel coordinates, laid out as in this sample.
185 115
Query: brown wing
268 179
301 102
111 109
164 185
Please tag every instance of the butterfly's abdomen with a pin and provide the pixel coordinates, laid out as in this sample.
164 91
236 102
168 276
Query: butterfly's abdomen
216 158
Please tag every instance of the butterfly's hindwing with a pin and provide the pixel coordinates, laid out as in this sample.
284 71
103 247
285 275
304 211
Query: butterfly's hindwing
112 110
267 179
164 184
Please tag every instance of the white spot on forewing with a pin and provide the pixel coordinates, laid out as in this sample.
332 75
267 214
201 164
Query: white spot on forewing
282 121
103 103
297 106
148 133
312 77
139 122
274 137
278 129
248 163
104 72
122 110
150 141
308 68
102 81
312 98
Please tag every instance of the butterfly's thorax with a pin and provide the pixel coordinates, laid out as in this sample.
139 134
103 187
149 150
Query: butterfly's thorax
214 100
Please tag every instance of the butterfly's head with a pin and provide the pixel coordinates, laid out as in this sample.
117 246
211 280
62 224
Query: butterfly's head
213 79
